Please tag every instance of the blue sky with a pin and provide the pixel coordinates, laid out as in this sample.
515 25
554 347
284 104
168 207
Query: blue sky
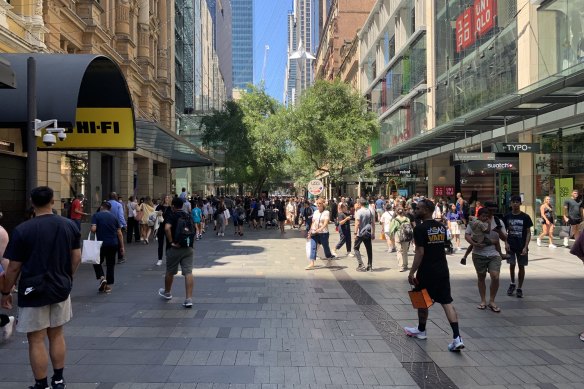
270 28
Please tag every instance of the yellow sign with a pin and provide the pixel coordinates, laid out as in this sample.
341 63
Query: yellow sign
98 129
564 188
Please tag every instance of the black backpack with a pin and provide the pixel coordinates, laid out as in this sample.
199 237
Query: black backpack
185 231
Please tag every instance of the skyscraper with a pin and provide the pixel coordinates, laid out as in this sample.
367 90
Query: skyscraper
302 39
242 33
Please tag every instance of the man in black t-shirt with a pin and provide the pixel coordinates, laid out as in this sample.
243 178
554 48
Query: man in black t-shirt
430 271
177 255
44 252
518 225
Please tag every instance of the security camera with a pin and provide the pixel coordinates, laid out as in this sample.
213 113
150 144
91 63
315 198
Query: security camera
49 139
62 135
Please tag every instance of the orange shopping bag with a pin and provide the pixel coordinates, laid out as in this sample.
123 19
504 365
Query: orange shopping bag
382 236
420 299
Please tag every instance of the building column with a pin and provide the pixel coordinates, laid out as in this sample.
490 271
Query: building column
145 170
95 185
163 42
527 178
439 172
123 17
144 29
127 174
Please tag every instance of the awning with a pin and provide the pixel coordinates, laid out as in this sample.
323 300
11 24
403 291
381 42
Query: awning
553 93
181 153
7 77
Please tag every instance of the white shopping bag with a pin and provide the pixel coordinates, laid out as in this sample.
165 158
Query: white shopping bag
308 249
91 250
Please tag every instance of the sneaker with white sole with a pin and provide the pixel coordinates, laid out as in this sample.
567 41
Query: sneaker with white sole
102 284
538 242
566 242
164 295
414 332
456 345
8 329
552 246
60 384
159 262
188 303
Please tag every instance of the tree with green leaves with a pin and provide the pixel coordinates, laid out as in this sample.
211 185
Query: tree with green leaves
330 129
254 147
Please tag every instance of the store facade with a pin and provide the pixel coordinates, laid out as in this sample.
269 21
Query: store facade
504 78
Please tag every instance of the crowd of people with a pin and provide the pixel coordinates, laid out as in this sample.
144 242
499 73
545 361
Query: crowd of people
431 227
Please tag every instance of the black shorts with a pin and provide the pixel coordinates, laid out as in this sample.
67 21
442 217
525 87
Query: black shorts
515 257
438 289
574 222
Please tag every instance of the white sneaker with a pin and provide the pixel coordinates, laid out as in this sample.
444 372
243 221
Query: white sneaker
456 344
159 262
566 241
350 254
552 246
414 332
334 253
538 242
8 329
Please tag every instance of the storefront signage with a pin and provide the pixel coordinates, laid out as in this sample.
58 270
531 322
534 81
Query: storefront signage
315 187
501 165
438 191
475 21
6 146
518 147
411 179
474 156
449 190
99 128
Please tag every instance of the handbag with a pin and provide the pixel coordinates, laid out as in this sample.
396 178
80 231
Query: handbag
564 231
308 249
91 251
382 236
420 299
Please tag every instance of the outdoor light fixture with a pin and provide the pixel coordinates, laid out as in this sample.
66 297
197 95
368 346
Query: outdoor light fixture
49 139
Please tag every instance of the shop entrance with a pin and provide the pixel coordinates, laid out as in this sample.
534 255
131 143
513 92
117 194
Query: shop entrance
12 190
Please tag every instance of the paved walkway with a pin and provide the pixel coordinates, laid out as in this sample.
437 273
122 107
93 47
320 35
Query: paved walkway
261 321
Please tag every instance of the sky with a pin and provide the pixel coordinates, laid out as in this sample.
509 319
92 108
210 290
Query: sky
270 28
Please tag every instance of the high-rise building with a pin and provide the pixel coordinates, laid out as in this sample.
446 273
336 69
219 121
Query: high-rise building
221 16
302 38
242 32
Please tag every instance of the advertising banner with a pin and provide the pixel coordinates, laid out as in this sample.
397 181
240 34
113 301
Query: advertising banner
564 188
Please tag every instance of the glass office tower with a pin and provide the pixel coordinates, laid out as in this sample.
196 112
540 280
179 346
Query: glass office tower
242 33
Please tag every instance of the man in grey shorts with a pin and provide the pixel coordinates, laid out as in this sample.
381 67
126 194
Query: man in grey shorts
179 252
45 262
486 258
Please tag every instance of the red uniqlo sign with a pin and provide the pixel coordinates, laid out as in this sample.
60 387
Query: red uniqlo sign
449 190
476 20
438 191
464 30
484 15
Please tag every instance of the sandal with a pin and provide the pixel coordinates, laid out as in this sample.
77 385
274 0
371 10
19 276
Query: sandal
494 308
309 267
482 307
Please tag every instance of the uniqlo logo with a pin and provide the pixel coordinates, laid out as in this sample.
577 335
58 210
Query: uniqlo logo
485 12
464 30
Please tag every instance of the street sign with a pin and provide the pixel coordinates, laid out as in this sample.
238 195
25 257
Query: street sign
514 147
315 187
474 156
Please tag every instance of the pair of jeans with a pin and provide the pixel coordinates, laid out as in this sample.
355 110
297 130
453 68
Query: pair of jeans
133 229
323 239
368 248
107 253
344 237
161 236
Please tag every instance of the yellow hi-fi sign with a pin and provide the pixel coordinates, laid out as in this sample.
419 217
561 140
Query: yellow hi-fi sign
99 129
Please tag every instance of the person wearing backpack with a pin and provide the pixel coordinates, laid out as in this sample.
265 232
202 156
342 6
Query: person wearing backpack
180 236
403 233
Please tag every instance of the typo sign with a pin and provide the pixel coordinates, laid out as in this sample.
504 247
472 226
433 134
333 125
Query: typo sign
475 21
520 147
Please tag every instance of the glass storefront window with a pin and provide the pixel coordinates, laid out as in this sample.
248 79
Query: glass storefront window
559 167
561 36
476 54
74 177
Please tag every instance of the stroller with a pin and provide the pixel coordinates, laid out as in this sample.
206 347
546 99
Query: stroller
270 217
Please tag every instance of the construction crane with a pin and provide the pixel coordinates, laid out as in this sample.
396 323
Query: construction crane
266 49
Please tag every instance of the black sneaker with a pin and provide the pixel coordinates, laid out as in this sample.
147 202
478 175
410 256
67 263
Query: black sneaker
519 293
121 260
369 268
58 384
511 290
361 267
